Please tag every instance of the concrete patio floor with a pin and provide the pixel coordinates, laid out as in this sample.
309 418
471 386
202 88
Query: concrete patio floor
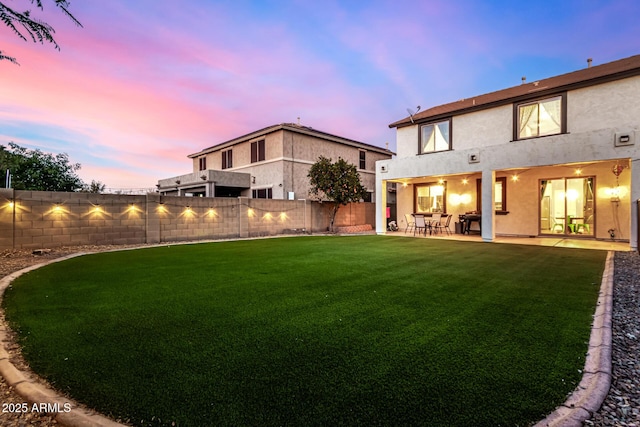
561 242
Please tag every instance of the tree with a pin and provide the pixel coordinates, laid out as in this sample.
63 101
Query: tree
95 187
25 26
337 182
38 171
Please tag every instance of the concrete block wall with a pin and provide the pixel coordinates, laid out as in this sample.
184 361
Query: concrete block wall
37 219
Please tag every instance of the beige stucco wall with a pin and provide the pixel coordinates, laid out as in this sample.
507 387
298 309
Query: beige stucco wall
611 105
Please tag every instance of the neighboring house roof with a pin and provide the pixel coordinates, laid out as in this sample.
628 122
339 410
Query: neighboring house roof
589 76
293 128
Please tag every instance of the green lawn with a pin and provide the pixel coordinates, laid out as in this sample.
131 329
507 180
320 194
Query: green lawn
363 330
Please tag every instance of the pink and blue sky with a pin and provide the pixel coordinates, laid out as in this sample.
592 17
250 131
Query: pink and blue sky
145 83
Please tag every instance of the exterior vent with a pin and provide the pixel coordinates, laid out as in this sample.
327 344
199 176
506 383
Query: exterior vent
624 138
474 158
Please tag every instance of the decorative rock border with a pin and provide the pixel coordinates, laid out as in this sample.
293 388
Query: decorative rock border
596 380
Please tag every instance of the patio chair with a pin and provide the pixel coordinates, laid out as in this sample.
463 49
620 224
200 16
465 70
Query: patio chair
440 226
420 224
410 222
584 226
434 221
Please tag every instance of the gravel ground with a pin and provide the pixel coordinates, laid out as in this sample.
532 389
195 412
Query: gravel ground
621 407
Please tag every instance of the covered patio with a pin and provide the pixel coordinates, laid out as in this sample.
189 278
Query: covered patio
582 204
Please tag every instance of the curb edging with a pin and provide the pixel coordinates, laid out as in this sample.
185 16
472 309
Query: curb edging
593 389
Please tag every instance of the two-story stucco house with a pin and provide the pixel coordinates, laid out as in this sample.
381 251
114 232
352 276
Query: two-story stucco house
554 157
271 163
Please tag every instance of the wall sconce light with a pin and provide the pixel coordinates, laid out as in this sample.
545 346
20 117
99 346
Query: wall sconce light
253 179
178 181
203 177
515 178
578 171
465 181
57 208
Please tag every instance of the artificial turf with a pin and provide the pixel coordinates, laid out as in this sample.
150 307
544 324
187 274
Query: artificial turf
366 330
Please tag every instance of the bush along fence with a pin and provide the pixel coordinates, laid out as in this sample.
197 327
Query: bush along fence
39 219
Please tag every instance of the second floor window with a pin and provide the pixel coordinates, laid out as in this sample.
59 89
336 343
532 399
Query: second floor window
435 137
257 151
540 117
363 160
202 163
227 159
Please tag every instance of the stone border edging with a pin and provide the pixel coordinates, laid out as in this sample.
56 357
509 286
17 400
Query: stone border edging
596 379
67 412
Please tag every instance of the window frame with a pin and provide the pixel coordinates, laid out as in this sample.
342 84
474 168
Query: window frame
363 160
539 100
268 193
434 123
227 159
503 181
430 184
258 151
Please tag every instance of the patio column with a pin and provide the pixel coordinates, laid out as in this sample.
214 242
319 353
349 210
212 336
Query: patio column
488 205
381 206
635 199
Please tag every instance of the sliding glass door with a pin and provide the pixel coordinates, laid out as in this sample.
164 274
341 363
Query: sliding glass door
567 206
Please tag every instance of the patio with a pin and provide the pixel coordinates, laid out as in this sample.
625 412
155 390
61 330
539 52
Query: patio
561 242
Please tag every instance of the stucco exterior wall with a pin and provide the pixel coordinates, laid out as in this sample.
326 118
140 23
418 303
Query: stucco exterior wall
611 106
476 130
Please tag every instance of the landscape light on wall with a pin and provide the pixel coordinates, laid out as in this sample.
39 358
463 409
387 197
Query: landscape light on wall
212 213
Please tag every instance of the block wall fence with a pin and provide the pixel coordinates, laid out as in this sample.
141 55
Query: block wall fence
40 219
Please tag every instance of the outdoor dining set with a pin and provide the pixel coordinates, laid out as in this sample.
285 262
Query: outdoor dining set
436 222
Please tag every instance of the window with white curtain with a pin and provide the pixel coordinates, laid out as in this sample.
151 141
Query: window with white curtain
435 137
541 117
